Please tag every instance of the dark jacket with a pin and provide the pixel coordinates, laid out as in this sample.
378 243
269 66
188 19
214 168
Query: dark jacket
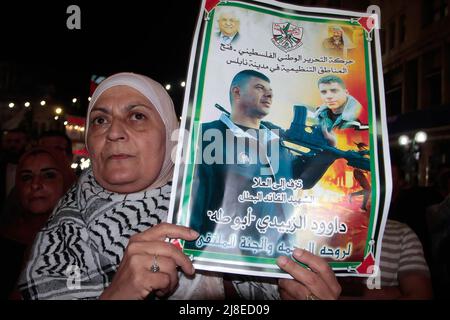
221 184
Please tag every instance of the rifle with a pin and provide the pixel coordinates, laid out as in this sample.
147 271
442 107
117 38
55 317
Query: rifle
312 137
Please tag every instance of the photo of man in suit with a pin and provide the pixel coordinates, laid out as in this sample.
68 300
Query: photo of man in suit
228 23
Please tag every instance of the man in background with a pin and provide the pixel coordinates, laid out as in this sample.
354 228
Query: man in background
14 143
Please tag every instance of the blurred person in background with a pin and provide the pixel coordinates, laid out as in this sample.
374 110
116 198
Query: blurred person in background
42 177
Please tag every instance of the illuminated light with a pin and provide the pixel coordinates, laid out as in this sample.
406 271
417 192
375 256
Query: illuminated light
403 140
58 110
76 127
65 123
27 104
183 84
74 165
11 105
56 117
82 159
74 100
89 98
85 165
43 103
168 86
82 129
420 137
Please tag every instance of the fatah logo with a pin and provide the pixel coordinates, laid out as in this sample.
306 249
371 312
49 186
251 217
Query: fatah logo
286 36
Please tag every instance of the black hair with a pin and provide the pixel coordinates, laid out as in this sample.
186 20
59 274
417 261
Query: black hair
242 77
331 78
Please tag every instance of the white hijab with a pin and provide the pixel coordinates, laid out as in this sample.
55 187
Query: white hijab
162 102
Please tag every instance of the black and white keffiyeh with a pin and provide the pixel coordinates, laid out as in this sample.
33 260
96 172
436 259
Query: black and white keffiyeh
79 250
77 253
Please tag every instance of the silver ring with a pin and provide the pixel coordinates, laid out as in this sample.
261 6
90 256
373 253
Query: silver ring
155 267
312 296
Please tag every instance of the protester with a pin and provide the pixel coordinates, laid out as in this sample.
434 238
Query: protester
42 178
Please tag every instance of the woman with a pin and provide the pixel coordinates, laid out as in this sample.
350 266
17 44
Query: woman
42 178
107 239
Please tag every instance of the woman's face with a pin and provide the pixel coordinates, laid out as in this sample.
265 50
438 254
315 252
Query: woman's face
126 140
41 184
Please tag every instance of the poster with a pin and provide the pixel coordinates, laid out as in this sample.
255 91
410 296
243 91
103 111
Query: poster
283 139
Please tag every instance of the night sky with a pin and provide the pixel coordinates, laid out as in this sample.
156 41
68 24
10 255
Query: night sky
139 36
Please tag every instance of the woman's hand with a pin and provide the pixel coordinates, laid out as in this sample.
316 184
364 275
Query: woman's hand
134 280
329 136
317 283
